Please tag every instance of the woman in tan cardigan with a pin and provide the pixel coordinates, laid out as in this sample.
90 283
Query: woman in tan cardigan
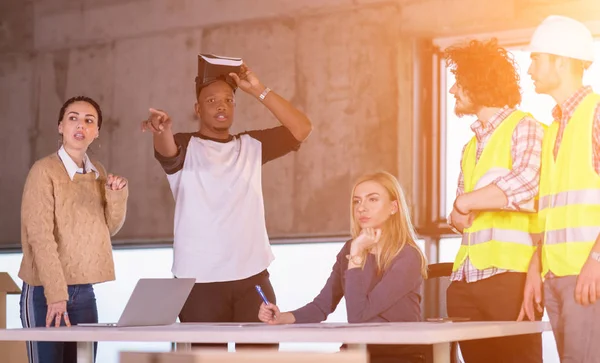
70 209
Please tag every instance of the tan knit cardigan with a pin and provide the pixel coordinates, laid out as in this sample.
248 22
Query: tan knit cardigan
66 227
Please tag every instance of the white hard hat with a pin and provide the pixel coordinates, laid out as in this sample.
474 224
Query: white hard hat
563 36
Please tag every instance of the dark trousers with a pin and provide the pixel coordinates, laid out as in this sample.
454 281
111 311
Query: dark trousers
81 308
497 298
228 302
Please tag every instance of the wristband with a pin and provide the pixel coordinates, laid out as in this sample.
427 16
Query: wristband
264 94
357 260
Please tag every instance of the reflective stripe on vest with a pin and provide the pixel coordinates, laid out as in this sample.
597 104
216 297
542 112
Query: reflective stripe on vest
572 235
499 235
561 199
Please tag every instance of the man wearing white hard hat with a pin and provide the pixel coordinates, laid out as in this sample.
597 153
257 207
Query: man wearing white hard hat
500 170
569 201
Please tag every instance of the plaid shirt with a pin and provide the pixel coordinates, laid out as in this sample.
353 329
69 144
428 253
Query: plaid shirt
562 113
520 185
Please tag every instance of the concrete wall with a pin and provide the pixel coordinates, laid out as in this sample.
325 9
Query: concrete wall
346 63
455 17
335 60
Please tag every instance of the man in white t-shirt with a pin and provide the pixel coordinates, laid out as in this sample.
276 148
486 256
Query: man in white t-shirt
220 236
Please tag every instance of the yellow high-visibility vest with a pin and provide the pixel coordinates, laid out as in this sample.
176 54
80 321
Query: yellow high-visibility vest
570 193
536 226
496 238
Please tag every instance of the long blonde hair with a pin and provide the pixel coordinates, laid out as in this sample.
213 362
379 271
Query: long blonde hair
397 231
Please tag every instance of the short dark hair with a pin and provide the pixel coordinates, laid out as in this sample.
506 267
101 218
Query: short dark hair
71 100
487 72
199 86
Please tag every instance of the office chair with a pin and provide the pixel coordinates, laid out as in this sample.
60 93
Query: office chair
438 280
435 288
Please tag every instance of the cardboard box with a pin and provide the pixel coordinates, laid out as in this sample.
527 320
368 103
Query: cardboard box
246 356
12 352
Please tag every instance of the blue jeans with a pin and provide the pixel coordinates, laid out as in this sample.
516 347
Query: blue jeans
81 308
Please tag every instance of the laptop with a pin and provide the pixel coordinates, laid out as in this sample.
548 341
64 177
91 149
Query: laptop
153 302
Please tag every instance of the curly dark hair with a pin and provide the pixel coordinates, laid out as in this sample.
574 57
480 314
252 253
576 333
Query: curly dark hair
71 100
486 72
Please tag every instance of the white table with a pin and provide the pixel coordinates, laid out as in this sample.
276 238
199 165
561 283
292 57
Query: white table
440 335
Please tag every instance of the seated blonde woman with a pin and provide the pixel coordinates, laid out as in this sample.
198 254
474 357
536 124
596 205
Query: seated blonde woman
379 271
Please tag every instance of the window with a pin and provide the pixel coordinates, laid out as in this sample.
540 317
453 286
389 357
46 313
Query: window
449 248
297 274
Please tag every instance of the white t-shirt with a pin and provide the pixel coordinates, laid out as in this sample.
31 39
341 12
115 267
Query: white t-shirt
219 230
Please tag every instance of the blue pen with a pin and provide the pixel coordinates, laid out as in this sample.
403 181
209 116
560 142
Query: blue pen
262 295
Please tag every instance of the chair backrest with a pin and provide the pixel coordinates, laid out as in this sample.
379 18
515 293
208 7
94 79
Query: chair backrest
245 356
434 302
436 270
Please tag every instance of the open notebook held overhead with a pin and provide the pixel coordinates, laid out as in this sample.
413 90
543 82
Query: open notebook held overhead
213 67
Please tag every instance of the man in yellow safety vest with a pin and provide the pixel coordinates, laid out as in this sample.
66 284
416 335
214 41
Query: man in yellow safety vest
569 200
490 269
